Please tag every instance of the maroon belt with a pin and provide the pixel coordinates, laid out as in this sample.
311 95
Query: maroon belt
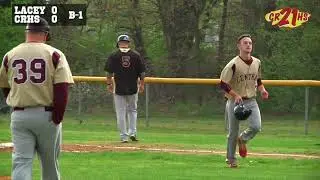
46 108
245 98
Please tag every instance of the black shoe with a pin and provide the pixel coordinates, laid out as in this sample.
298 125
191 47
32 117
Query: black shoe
133 138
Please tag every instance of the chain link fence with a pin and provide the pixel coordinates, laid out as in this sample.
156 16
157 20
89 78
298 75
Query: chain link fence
92 99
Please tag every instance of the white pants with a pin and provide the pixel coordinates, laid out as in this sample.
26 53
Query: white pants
126 109
254 122
34 132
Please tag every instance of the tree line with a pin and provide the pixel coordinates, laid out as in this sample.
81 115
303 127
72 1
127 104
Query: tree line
190 38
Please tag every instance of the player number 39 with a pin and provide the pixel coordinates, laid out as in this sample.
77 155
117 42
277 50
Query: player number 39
34 71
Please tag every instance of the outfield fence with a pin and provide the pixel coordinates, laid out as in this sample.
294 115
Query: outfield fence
307 84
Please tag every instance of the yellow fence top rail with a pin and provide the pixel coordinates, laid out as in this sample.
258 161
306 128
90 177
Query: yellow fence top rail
157 80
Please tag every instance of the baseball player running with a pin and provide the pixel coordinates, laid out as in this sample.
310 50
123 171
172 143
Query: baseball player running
239 79
35 79
128 70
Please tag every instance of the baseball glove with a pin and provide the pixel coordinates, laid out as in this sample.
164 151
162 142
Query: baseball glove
241 112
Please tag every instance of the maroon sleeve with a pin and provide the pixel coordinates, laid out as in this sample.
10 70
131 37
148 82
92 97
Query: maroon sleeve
55 59
259 82
225 86
60 98
6 92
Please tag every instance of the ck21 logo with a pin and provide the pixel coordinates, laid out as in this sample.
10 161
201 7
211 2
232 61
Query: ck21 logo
287 17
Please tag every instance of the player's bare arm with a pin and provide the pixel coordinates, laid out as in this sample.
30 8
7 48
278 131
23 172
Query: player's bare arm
109 74
109 81
109 78
141 83
237 98
141 71
264 93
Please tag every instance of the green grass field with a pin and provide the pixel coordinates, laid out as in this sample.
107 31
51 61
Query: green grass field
279 135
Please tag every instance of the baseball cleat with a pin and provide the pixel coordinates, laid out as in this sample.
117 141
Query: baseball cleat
227 161
242 148
124 141
133 138
231 163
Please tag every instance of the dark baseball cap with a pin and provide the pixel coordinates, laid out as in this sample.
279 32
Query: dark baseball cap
123 38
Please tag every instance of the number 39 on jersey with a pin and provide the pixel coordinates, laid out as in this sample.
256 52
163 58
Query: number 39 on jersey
33 71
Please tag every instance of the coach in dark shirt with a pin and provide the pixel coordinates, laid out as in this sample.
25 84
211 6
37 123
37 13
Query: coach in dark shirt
128 70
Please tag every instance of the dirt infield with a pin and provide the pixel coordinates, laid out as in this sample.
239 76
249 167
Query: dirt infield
86 148
5 177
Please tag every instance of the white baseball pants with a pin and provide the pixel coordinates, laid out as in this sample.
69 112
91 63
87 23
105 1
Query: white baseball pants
126 110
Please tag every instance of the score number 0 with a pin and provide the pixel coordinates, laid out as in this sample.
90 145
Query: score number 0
54 11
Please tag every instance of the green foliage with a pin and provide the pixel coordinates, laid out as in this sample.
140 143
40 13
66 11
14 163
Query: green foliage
10 35
285 53
16 35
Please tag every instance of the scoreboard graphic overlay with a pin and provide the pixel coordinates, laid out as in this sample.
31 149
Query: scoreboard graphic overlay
55 14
